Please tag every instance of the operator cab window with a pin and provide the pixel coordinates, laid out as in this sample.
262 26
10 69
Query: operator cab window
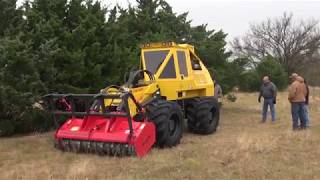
169 71
182 63
195 63
153 59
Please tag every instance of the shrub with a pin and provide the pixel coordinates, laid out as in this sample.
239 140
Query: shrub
34 121
20 86
231 97
7 127
275 71
251 80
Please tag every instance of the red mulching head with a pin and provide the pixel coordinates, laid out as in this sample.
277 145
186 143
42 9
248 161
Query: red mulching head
106 135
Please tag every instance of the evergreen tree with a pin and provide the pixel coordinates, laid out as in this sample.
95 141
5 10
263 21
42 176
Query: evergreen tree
10 17
69 39
20 84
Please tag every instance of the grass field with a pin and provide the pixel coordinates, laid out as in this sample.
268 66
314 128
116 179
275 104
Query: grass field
242 148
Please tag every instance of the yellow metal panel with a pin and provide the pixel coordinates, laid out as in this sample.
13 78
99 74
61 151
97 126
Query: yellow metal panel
153 45
142 94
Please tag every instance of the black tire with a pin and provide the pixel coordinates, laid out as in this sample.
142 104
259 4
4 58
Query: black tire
203 115
168 119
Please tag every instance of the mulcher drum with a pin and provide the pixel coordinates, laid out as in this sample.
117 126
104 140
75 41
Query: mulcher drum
101 148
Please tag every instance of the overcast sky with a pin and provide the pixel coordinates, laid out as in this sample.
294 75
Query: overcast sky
235 16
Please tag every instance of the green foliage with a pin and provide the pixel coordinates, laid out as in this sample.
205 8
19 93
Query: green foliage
272 68
230 74
267 67
34 121
69 39
10 17
7 127
251 81
20 84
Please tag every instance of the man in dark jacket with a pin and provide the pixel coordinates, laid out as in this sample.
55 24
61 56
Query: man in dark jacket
269 93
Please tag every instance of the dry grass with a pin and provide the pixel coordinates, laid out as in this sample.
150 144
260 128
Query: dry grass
243 148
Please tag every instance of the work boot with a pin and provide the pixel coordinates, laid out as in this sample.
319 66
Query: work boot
296 128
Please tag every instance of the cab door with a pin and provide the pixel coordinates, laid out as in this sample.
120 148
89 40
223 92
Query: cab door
184 73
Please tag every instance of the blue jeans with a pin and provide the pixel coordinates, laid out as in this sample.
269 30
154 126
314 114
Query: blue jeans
306 114
298 112
266 103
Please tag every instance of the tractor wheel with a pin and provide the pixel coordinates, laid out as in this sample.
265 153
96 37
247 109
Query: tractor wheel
203 115
168 119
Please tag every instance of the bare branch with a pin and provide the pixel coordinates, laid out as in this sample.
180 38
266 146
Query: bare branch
292 44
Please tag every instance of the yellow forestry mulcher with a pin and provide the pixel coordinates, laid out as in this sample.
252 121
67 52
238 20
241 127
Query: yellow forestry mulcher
171 85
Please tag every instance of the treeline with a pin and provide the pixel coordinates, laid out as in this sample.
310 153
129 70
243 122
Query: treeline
278 47
80 46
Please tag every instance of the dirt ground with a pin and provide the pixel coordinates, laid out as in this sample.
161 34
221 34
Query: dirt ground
242 148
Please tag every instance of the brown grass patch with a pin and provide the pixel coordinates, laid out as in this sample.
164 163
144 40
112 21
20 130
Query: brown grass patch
243 148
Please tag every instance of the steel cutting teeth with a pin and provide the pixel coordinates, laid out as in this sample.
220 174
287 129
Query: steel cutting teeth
86 146
93 147
75 146
65 144
101 148
107 148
